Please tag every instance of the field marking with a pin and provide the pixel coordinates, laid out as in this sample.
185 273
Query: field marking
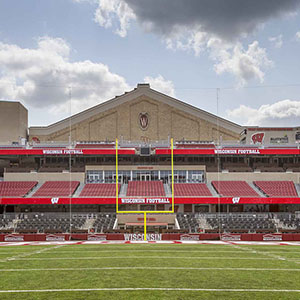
165 250
22 255
265 253
152 289
146 257
178 243
149 268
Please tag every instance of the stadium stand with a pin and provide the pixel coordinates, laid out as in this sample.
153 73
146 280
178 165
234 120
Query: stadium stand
6 221
57 189
277 188
234 189
39 223
104 222
16 188
289 222
145 188
99 190
241 223
191 189
188 221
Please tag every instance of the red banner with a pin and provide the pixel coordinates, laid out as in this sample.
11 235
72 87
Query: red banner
161 151
53 151
151 200
275 237
230 151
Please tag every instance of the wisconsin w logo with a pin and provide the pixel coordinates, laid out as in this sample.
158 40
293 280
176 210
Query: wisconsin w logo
144 120
54 200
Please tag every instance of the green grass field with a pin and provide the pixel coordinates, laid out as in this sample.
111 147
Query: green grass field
226 271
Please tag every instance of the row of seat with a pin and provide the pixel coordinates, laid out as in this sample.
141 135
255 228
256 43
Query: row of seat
145 188
16 188
149 188
57 189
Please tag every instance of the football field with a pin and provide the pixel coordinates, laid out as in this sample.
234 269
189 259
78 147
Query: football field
150 271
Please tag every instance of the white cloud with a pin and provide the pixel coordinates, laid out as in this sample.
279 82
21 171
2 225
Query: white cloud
276 41
42 77
160 84
109 12
234 59
298 36
281 113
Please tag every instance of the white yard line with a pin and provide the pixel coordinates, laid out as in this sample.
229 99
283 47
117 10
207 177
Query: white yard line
265 253
152 289
146 257
25 254
148 268
146 243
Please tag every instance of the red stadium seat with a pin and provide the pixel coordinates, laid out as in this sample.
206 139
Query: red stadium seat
277 188
145 188
99 190
16 188
57 189
234 189
191 189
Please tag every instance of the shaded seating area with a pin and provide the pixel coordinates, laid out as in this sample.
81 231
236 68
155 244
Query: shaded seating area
191 189
188 222
16 188
57 189
104 222
277 188
39 223
145 188
99 190
234 189
239 223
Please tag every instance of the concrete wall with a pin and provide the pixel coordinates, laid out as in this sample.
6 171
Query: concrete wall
13 122
42 177
144 167
254 176
133 218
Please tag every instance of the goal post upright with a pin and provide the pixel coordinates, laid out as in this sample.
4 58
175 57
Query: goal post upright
117 178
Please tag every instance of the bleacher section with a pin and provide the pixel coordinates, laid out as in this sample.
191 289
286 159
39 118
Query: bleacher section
57 189
188 221
277 188
104 222
145 188
16 188
5 220
234 189
99 190
241 223
191 189
37 223
62 223
289 222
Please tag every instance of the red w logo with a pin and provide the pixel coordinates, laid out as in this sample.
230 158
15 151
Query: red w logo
257 138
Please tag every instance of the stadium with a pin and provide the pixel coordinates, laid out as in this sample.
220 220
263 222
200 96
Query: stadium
188 191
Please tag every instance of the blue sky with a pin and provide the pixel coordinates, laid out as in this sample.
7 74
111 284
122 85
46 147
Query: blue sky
48 46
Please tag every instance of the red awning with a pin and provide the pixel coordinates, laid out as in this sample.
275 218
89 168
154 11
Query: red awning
166 200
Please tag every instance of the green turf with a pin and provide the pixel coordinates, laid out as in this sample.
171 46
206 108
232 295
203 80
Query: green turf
219 267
